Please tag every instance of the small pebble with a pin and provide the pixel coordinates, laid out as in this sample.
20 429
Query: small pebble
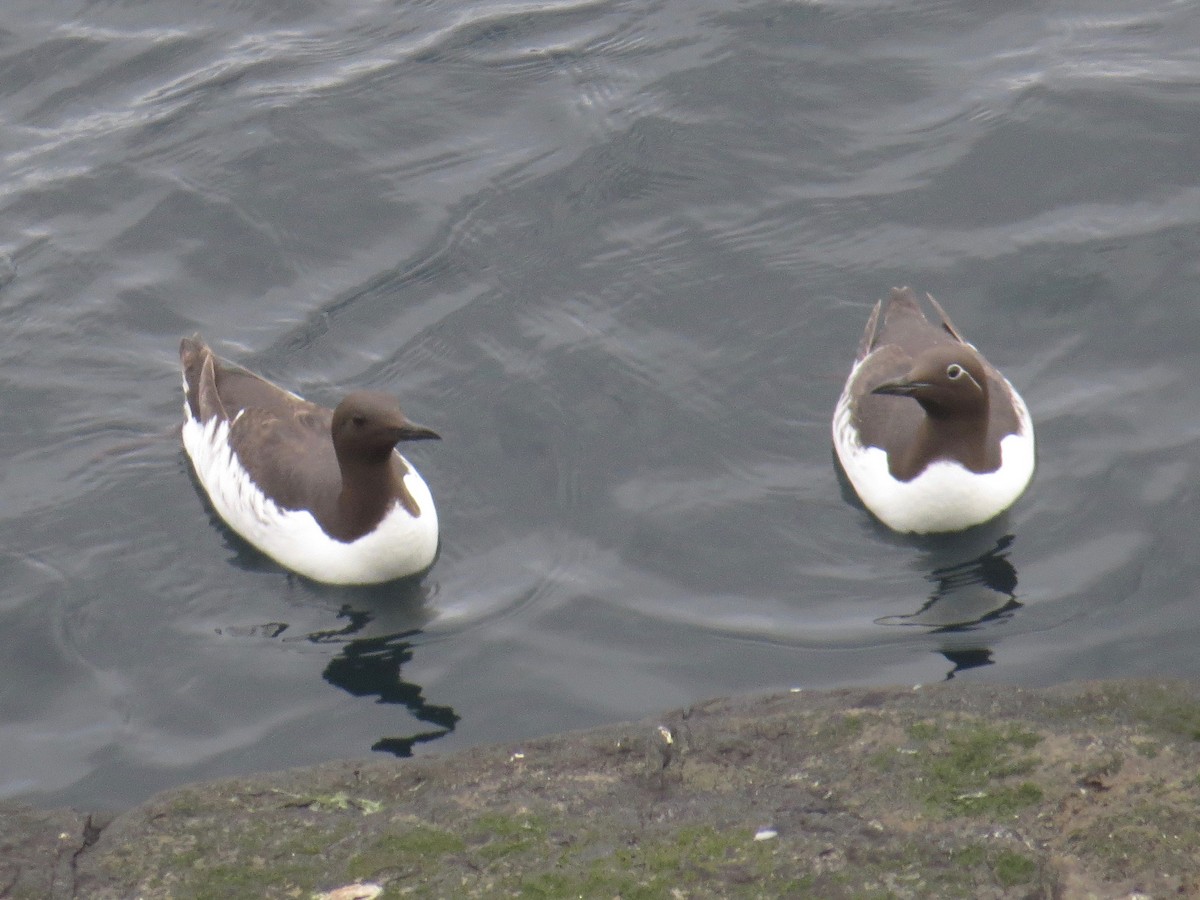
358 891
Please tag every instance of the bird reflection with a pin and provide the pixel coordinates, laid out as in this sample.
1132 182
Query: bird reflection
370 666
967 658
966 597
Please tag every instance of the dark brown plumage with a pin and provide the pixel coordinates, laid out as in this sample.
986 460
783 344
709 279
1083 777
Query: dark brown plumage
337 464
931 436
953 386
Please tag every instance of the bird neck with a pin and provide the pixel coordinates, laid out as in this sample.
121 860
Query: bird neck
961 439
369 489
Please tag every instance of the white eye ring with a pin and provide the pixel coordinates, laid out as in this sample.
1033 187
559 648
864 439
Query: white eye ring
954 371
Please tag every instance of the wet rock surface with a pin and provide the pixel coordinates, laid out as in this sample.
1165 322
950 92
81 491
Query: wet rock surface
1084 790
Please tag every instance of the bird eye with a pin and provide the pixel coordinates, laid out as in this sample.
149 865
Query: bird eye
359 421
954 371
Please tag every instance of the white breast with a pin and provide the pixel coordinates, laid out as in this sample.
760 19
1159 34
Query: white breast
400 545
946 496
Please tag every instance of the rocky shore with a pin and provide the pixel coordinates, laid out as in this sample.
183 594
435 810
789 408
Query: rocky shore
1079 791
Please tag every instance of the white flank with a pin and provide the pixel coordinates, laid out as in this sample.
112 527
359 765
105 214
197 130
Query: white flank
946 496
400 545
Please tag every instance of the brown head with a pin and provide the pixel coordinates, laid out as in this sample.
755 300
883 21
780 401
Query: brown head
367 425
948 380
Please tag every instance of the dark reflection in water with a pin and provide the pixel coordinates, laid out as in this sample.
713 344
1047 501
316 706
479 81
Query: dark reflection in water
967 658
966 597
968 594
370 666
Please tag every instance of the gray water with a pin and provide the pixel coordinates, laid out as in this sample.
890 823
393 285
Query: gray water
619 254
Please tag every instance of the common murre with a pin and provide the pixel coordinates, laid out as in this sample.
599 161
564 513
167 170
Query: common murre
322 492
931 436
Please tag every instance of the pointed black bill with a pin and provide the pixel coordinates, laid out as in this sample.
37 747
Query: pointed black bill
411 431
900 388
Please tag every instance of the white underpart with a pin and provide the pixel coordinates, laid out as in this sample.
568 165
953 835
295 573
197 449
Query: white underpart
400 544
944 497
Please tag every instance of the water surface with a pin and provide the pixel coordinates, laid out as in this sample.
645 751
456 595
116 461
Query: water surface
619 255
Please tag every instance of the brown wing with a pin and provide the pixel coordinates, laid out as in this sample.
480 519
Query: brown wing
946 323
1002 417
289 457
905 324
882 421
867 342
282 440
193 354
235 388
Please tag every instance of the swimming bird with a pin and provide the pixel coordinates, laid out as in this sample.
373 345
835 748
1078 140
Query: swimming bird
932 437
322 492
